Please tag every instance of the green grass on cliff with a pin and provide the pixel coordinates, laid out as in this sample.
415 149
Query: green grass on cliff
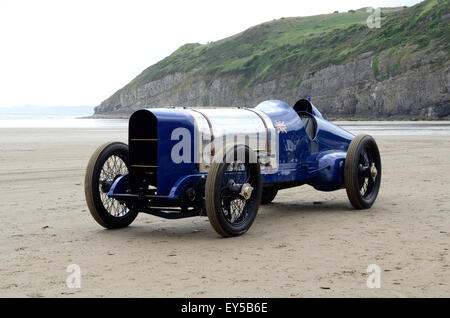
306 44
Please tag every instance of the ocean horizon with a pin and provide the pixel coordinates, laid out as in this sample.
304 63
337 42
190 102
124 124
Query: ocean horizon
54 117
75 117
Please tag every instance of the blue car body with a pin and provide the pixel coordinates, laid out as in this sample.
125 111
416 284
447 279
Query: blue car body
302 147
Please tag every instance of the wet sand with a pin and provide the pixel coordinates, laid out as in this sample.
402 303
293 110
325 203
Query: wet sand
306 244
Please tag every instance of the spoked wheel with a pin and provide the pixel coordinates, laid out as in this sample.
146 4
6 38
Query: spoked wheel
233 193
362 172
107 164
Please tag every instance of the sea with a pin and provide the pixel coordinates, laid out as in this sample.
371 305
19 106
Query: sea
75 117
55 117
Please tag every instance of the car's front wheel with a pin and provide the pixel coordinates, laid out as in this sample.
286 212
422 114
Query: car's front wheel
108 162
233 194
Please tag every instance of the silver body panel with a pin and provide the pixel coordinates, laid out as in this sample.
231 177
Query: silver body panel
222 128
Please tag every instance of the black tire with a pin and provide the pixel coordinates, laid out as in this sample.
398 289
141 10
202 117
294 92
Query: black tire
361 181
268 195
219 200
108 212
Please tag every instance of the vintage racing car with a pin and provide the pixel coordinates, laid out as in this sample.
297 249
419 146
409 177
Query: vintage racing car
224 162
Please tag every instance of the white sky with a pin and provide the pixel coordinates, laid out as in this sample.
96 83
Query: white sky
78 52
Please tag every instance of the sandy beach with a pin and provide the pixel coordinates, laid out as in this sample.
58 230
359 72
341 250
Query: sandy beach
306 244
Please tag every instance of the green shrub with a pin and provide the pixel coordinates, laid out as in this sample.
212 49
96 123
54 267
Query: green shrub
423 41
375 67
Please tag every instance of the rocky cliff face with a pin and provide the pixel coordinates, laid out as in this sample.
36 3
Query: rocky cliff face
410 85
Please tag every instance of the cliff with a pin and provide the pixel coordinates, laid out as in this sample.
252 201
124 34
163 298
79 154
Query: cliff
400 70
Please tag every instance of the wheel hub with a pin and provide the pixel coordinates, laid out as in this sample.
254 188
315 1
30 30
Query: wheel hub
246 191
373 171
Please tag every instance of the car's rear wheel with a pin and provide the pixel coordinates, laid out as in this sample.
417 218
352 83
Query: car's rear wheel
268 195
233 194
362 172
108 162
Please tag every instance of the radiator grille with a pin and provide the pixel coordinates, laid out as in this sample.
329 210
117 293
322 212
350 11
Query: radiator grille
143 147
